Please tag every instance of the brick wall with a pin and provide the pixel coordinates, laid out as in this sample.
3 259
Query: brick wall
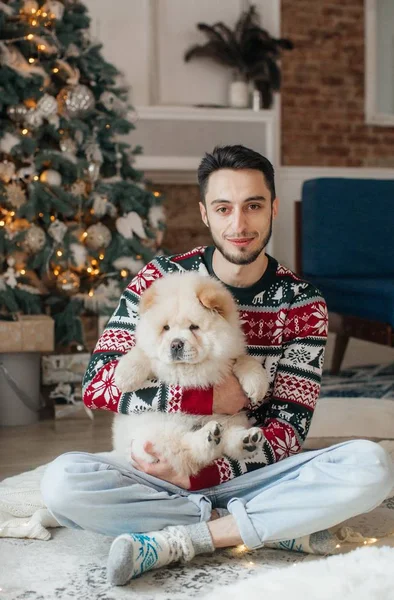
323 88
184 227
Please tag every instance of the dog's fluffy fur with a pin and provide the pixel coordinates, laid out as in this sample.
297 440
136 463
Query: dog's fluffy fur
189 334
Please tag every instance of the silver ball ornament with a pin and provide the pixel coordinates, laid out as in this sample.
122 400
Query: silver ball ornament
98 236
51 177
75 101
17 112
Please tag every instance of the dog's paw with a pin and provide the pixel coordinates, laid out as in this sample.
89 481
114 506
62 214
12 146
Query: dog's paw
252 440
128 374
243 443
205 443
213 431
252 377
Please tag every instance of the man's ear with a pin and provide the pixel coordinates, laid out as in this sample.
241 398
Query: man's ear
275 207
216 299
148 298
203 212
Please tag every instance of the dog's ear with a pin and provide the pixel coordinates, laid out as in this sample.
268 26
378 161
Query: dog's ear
216 299
147 299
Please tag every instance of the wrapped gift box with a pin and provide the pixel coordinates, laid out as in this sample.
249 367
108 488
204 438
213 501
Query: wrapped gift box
62 376
29 333
64 368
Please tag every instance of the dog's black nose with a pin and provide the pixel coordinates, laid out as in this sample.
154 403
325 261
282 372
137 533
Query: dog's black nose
177 345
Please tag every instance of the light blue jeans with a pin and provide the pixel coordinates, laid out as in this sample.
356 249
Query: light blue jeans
297 496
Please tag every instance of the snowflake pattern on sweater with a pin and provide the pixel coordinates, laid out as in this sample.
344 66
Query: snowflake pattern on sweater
285 323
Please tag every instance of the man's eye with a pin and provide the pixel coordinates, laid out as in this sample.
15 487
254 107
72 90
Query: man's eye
166 327
193 327
222 210
254 206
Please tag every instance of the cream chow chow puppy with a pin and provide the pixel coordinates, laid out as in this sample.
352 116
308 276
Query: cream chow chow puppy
188 334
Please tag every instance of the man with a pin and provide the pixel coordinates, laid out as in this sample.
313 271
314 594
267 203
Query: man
160 518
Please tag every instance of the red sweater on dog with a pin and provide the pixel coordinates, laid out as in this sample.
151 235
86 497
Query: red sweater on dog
285 324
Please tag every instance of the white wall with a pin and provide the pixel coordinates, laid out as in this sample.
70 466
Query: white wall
289 182
147 40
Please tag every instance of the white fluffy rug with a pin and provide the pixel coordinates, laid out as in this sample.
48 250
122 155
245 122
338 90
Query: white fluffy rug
364 574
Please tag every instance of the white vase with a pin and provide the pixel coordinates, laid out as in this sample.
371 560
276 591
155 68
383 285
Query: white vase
239 94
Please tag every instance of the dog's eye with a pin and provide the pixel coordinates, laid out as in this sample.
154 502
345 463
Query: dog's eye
166 327
193 327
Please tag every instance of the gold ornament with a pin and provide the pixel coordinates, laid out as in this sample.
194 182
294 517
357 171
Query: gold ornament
51 177
68 283
34 239
98 236
16 195
75 101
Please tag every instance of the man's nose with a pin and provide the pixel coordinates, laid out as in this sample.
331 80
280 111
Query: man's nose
239 221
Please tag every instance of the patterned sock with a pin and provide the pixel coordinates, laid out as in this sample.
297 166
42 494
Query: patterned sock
321 542
132 555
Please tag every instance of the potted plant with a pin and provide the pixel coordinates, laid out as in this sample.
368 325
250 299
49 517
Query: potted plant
249 51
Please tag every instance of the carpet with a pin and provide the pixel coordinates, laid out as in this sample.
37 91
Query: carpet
358 402
71 565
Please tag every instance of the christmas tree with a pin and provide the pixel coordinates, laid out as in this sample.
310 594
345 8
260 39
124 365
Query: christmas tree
76 218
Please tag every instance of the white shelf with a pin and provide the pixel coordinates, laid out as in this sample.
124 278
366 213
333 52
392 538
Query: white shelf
194 113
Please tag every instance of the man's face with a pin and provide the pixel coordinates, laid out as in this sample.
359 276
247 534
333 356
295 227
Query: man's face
239 213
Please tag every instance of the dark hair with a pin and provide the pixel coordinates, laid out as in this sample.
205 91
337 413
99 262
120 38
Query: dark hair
234 157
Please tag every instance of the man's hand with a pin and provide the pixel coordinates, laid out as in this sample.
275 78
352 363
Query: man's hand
229 397
160 469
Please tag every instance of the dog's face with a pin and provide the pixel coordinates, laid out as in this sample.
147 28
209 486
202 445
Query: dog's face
187 319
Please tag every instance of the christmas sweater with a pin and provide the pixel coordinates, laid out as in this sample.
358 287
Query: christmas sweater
284 320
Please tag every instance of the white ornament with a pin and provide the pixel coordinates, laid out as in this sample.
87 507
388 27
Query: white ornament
26 173
113 103
100 205
10 276
156 216
51 177
127 262
79 255
130 224
45 109
57 230
8 141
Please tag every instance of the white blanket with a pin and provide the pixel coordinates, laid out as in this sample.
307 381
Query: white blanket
23 513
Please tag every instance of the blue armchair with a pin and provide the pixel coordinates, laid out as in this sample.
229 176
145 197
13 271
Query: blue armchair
345 246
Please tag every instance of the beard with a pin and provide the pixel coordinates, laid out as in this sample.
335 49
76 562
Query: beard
244 257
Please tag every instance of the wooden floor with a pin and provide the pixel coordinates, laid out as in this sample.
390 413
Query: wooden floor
27 447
